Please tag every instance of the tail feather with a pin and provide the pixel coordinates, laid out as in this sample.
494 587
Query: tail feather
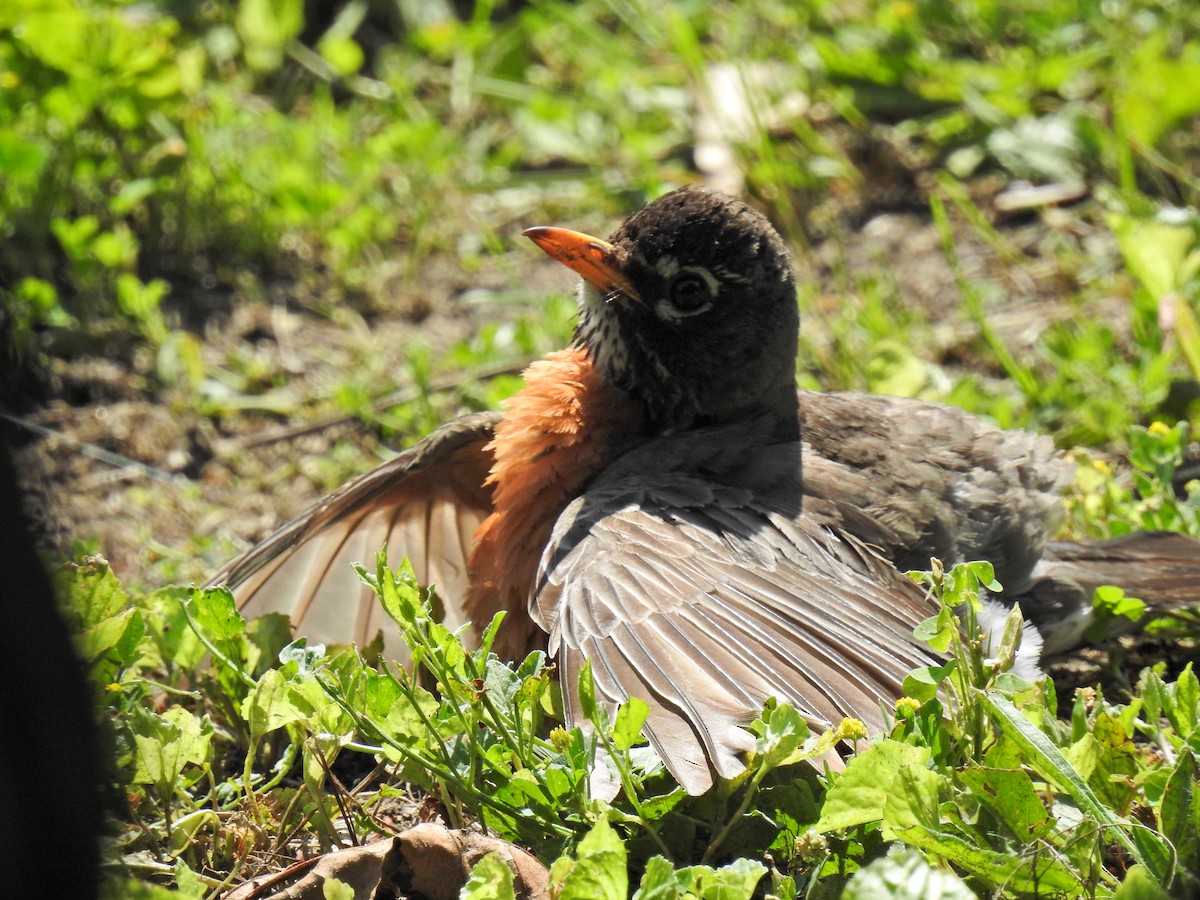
1159 567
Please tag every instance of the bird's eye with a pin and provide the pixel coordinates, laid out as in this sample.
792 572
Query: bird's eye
689 292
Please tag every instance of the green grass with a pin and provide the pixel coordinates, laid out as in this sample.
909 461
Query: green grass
162 169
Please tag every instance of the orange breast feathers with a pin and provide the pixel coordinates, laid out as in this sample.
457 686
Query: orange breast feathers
564 426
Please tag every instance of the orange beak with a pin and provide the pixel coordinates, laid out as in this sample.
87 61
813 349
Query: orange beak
592 259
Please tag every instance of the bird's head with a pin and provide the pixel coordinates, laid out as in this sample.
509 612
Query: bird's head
690 306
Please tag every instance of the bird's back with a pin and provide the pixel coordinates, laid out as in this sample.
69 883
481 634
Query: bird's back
944 482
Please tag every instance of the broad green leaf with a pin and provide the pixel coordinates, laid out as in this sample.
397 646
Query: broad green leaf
735 881
1154 251
784 732
627 727
1155 854
176 642
1012 797
120 633
860 794
599 871
1139 885
660 881
1155 89
1187 702
913 800
923 682
984 574
185 829
1035 875
1179 813
273 704
343 53
266 27
501 682
92 591
905 875
165 744
491 879
215 613
938 631
1114 600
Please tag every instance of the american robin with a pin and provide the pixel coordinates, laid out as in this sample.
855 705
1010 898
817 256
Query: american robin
660 500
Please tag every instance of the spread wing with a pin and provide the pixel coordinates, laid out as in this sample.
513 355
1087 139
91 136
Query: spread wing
705 584
425 503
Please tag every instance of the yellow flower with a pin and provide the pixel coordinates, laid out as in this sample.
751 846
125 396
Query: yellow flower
561 739
851 730
907 707
1159 429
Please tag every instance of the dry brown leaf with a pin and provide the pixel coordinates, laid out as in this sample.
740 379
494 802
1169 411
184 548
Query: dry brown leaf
428 862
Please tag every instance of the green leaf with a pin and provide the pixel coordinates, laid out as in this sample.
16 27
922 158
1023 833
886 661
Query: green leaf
938 631
660 881
1011 795
1186 712
587 694
165 744
343 53
984 574
1035 875
121 632
1138 884
273 704
491 879
905 875
92 592
860 794
1113 602
599 871
177 643
187 882
215 613
923 682
1180 809
1187 328
398 591
1155 88
1154 251
912 800
627 728
784 732
266 27
735 881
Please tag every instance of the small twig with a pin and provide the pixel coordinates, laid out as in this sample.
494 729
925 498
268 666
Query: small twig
395 398
340 796
105 456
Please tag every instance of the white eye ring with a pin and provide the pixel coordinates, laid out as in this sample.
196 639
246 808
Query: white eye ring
690 292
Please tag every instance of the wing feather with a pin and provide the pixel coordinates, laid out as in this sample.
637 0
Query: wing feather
425 503
706 594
